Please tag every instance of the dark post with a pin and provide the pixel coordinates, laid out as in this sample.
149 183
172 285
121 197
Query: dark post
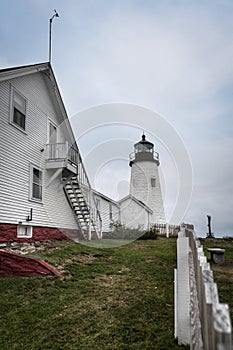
209 234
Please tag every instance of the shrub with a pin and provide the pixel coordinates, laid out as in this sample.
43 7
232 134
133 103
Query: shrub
120 231
228 238
150 234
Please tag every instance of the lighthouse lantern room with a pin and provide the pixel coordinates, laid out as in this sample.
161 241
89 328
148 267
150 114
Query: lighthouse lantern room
145 182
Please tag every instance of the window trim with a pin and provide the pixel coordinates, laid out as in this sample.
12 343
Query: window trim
31 198
12 107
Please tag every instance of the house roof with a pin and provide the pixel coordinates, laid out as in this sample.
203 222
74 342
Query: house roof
137 201
99 194
13 72
50 80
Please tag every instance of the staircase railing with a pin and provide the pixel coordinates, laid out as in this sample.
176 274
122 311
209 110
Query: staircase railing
95 221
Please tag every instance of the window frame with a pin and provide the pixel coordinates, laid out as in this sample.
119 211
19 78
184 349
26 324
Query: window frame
28 231
110 212
153 182
51 122
32 198
97 201
13 107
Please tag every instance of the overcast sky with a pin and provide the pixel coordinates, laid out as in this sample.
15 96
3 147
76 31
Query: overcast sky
173 58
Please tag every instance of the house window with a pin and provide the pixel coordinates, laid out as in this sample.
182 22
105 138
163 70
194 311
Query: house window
19 110
24 231
98 204
52 133
110 211
153 182
36 184
97 201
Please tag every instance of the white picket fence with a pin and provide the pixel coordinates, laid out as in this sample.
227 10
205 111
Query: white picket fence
167 230
200 319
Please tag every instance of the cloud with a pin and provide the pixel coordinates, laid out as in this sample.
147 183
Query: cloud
178 63
171 57
213 186
166 61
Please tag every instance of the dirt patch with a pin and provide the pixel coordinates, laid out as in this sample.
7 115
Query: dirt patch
141 246
86 258
151 259
107 280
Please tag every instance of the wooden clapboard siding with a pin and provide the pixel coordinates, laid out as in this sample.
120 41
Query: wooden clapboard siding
105 211
18 150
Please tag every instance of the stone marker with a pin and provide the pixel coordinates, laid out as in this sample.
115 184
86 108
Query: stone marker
217 255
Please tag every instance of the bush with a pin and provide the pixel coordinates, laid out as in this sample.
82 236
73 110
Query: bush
228 238
151 234
120 231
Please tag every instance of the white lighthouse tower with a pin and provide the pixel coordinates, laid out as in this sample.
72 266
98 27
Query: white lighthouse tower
145 183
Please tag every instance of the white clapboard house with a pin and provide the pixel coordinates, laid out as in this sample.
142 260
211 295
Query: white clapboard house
44 188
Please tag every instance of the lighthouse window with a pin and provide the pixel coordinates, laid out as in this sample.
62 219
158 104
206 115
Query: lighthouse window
153 182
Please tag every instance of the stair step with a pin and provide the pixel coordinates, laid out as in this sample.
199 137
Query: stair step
74 200
83 206
84 225
81 216
71 193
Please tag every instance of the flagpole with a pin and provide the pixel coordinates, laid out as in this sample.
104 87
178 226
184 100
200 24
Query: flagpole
50 34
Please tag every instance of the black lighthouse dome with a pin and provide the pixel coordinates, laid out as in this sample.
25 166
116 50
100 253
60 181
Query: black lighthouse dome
143 145
144 151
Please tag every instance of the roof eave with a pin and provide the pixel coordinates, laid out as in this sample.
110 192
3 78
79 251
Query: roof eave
15 72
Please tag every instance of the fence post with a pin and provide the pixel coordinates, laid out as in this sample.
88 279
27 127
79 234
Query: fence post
183 290
222 326
175 304
209 322
167 230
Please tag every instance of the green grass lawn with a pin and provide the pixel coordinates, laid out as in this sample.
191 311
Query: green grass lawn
112 298
115 298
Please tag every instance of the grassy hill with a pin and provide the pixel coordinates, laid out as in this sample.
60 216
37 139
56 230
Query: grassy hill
115 298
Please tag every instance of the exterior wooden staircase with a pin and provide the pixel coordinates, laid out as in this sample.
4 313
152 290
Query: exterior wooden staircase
80 196
86 213
67 159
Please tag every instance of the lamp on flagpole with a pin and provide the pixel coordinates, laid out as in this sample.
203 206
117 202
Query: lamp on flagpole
50 34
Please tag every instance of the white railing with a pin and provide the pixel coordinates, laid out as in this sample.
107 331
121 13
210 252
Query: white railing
95 223
155 155
200 319
62 151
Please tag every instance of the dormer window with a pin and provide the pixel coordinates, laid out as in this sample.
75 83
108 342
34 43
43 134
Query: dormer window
18 110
